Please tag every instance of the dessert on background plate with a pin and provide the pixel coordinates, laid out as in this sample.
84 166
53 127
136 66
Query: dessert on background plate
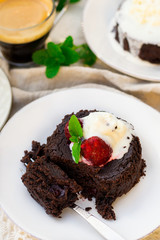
99 21
137 28
92 154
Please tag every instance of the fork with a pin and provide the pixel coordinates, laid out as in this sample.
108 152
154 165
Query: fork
105 231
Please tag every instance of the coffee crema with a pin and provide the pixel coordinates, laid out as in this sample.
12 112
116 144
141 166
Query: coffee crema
23 21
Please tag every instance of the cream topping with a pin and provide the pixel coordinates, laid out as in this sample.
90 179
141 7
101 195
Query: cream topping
115 132
140 20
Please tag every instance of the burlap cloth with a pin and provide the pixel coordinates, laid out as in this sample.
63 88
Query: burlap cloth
30 84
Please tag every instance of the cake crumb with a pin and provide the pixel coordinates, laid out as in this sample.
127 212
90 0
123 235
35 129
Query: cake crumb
88 209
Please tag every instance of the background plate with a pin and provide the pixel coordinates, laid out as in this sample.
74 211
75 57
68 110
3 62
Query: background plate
97 21
138 212
5 98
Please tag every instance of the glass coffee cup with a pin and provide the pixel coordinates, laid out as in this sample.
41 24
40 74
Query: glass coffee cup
24 27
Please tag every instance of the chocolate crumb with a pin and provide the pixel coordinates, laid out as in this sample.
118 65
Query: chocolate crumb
88 209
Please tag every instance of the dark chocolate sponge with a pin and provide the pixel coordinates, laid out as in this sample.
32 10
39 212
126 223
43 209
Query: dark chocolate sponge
49 185
148 52
37 151
104 183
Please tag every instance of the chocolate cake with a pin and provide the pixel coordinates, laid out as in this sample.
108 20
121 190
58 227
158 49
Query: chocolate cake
49 185
137 28
105 181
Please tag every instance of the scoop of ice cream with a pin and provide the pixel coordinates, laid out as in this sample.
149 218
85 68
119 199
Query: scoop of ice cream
113 131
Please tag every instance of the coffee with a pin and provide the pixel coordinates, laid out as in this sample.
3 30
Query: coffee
24 26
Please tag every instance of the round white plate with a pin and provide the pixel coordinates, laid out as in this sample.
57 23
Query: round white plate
138 212
97 21
5 98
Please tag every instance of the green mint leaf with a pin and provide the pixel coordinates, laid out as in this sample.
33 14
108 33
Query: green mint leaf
54 51
76 133
68 42
74 1
40 57
51 61
52 70
61 5
76 149
75 128
85 53
74 139
71 56
63 54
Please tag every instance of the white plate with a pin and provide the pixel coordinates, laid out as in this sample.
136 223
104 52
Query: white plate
97 21
5 98
138 212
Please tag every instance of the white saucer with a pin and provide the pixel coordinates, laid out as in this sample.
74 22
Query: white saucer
5 98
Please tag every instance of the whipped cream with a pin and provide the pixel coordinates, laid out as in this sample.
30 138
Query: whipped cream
140 20
115 132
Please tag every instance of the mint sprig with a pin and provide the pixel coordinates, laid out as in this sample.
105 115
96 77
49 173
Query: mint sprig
76 149
76 133
62 54
75 128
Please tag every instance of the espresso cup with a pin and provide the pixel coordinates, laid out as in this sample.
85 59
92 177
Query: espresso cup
24 27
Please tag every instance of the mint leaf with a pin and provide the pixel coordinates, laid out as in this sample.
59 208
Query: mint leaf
51 61
74 1
71 56
68 42
62 54
85 53
55 52
76 149
62 3
52 70
75 128
40 57
74 139
76 133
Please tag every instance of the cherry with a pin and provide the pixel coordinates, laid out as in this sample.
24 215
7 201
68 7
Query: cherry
96 151
66 131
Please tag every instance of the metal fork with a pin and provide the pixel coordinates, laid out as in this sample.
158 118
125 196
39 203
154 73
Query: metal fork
105 231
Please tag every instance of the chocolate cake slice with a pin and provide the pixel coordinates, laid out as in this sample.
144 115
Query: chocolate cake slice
37 151
105 183
48 184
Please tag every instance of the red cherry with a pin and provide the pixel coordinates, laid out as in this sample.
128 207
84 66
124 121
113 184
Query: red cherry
96 151
66 129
